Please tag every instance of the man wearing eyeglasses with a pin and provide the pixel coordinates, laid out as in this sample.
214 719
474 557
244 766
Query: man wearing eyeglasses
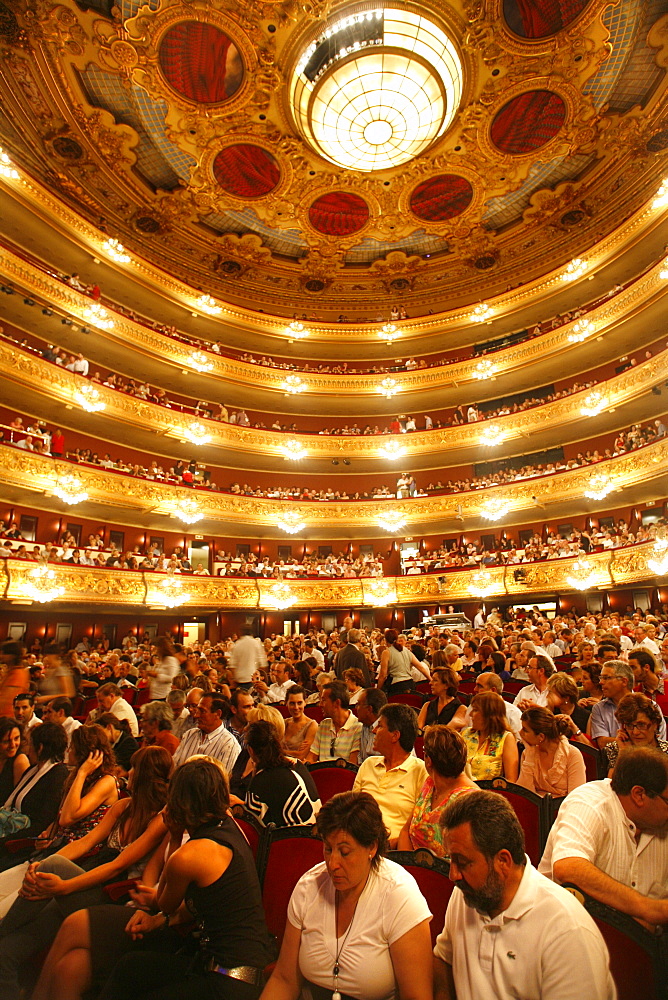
616 681
610 837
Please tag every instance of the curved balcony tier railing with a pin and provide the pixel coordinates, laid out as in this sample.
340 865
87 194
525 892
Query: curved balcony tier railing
114 588
27 470
34 281
40 376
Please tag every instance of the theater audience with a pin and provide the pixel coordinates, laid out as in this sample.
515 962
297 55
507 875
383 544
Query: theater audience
550 765
445 709
281 790
639 722
491 746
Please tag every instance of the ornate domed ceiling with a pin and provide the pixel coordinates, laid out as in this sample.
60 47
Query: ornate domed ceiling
322 158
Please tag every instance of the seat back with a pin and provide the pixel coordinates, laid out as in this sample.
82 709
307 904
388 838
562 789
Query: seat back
407 698
638 959
530 810
130 694
514 686
431 875
595 767
332 777
250 827
290 852
419 747
314 712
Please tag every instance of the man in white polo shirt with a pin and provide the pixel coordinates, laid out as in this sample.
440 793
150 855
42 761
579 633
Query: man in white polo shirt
610 838
508 931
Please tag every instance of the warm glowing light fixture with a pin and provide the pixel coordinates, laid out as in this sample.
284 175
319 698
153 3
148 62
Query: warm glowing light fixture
186 510
296 330
659 561
580 331
98 316
291 522
70 490
293 385
199 361
90 398
574 269
377 87
661 199
379 593
392 450
495 508
600 484
581 576
389 333
593 404
293 449
481 584
482 313
208 305
492 435
171 592
392 520
116 251
7 167
197 433
388 387
280 597
484 369
42 586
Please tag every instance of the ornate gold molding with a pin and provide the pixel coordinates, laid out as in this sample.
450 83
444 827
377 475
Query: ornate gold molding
118 588
37 472
610 313
39 376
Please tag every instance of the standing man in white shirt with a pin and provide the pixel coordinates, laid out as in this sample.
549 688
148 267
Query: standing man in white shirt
507 929
535 693
643 641
246 656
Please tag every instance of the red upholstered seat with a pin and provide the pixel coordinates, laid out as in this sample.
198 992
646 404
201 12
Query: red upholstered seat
330 778
530 810
430 873
407 698
314 712
594 766
291 853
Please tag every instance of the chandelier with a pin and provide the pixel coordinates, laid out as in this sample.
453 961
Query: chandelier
582 575
291 522
199 361
280 597
42 586
171 592
661 199
574 269
186 510
664 274
495 508
388 387
293 449
98 316
389 333
580 331
196 433
116 251
392 520
70 490
492 435
482 313
6 167
296 330
293 384
90 398
659 561
481 584
378 593
208 305
600 484
392 450
485 369
593 404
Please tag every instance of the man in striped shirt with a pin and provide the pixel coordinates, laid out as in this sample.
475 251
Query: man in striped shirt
210 736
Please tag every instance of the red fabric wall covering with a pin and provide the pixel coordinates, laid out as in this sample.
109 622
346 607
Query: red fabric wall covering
200 62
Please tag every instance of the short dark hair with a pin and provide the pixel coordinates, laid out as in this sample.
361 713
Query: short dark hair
358 814
62 703
236 694
337 692
643 766
49 741
198 793
494 825
542 663
295 689
643 658
25 696
402 719
375 699
218 704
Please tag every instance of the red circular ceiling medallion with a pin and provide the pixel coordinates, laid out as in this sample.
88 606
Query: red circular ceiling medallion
200 62
339 213
246 171
441 197
541 18
528 121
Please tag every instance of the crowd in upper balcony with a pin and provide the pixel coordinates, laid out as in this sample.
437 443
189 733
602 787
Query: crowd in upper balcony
35 436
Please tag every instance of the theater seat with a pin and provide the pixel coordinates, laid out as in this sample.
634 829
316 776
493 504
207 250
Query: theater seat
531 810
332 777
432 876
252 830
595 765
289 853
415 701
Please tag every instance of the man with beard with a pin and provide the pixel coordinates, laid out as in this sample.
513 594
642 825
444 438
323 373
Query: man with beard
507 932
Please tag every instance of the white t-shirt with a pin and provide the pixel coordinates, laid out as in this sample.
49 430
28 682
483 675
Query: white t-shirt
161 684
544 946
390 906
592 824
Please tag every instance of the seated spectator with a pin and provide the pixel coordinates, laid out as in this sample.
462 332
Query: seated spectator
503 897
535 693
156 726
24 711
59 710
393 776
492 682
445 756
38 791
562 699
244 768
639 723
616 683
176 699
491 746
339 733
591 685
445 709
609 837
210 736
277 692
550 765
368 712
299 729
110 699
281 790
646 672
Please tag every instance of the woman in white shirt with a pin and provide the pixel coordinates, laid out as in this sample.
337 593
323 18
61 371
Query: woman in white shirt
358 925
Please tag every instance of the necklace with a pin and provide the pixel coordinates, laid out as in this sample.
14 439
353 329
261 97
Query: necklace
339 947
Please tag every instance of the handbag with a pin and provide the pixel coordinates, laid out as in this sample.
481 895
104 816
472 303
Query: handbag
12 821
